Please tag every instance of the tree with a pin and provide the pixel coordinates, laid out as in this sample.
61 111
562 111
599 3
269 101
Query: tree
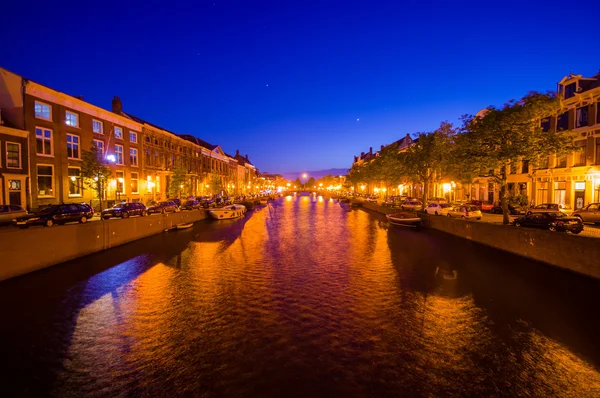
429 156
179 182
310 183
298 183
215 184
496 138
95 172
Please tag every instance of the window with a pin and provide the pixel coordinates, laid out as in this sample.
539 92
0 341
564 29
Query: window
118 132
542 192
100 145
560 192
513 168
71 119
562 122
570 90
119 153
133 160
120 182
581 119
97 126
597 150
13 155
45 180
72 146
597 112
525 167
147 139
561 161
43 111
133 137
545 123
579 154
147 158
75 182
134 183
43 139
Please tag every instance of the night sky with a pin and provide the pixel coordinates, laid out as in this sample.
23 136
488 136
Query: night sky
299 85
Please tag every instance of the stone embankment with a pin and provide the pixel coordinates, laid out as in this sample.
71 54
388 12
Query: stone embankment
574 253
27 250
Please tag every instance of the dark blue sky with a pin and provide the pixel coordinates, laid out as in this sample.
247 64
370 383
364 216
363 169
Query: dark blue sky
300 85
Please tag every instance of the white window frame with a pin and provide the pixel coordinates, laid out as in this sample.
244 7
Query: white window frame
122 163
68 120
136 157
101 147
80 178
20 160
124 191
100 123
131 179
133 134
78 144
43 138
37 175
36 103
120 129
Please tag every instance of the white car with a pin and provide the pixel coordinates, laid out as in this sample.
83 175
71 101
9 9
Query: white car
438 209
465 211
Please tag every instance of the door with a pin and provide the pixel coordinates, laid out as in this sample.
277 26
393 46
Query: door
579 198
14 198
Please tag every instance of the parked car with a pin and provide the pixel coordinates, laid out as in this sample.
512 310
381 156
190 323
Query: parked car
515 210
412 204
125 210
393 201
546 207
163 207
372 199
437 200
191 204
589 213
481 205
550 220
9 212
465 211
53 214
438 209
89 211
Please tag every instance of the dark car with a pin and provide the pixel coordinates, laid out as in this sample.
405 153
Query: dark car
515 210
53 214
125 210
191 204
552 221
163 207
89 211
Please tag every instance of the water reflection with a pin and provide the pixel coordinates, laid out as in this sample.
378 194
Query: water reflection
303 297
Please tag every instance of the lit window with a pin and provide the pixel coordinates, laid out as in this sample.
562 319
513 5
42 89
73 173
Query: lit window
43 111
119 154
43 139
100 145
97 126
13 155
120 182
134 183
118 132
133 159
45 183
75 182
133 137
72 119
72 146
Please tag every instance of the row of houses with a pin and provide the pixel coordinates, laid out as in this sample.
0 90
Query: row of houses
43 133
573 179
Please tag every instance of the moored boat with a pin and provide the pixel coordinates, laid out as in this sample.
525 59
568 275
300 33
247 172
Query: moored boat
228 212
184 226
404 219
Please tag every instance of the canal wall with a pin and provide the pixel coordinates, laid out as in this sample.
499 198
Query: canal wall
26 250
579 254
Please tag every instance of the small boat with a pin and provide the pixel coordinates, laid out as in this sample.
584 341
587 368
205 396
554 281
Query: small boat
184 226
355 204
228 212
404 219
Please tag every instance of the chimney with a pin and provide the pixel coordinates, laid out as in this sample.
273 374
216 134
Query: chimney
247 158
80 97
117 106
362 154
371 150
237 152
381 148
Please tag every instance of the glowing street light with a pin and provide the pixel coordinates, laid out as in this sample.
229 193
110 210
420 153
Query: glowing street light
111 158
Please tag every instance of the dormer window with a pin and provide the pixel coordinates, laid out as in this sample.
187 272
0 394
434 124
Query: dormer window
570 90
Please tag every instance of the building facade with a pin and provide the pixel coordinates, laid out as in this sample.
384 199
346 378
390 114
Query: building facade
14 166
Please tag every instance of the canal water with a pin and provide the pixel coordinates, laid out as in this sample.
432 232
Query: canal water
304 297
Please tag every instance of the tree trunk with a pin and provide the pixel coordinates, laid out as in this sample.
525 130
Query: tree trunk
504 203
425 190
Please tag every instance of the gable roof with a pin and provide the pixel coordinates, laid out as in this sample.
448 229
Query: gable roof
198 141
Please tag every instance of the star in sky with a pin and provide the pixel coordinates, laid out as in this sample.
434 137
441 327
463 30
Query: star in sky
358 120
